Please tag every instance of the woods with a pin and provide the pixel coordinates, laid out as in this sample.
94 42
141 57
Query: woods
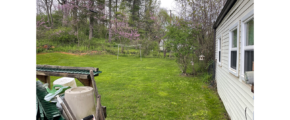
87 25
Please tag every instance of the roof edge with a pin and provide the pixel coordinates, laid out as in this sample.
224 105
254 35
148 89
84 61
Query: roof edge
229 4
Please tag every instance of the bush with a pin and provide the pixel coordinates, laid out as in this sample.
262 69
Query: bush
62 35
206 77
39 50
148 46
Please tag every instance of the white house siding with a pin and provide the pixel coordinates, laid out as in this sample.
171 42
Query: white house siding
235 93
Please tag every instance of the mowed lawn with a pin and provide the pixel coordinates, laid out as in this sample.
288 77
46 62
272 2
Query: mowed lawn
149 89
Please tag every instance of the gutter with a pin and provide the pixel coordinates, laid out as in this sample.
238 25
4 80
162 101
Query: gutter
229 4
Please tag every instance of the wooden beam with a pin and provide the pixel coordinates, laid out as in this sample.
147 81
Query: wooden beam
43 73
67 67
85 82
41 78
44 79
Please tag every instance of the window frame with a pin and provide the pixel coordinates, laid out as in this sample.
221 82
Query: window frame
231 29
219 49
244 22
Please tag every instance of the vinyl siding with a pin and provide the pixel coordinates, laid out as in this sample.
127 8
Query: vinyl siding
235 93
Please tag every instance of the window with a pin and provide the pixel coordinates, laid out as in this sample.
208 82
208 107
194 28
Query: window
233 49
219 51
247 43
249 51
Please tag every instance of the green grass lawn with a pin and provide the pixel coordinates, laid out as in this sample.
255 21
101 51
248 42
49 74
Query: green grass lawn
149 89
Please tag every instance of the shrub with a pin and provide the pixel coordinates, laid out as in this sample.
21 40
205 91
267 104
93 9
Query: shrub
62 35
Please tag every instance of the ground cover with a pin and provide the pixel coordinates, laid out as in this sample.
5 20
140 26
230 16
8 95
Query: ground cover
149 89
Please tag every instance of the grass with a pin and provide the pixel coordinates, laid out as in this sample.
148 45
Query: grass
149 89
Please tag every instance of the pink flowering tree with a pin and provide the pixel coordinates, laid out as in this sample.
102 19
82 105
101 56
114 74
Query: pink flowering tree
41 28
123 32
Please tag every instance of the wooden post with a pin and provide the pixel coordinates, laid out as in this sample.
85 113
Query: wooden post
97 111
101 112
96 93
118 52
104 110
94 83
140 52
47 80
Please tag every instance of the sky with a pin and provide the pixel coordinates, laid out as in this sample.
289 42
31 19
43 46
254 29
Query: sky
168 4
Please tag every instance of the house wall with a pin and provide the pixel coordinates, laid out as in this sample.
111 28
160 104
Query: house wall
234 92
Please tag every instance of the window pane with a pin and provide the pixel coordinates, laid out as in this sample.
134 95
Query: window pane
233 59
249 59
219 56
250 33
219 44
235 36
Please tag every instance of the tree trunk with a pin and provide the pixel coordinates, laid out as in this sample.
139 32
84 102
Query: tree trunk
64 14
47 12
116 14
75 17
164 49
110 24
133 10
51 20
91 22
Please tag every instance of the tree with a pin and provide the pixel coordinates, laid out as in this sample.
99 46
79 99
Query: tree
200 16
123 32
181 41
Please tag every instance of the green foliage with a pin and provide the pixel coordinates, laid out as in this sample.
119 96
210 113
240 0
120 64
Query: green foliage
206 77
57 19
180 40
62 35
39 50
148 46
